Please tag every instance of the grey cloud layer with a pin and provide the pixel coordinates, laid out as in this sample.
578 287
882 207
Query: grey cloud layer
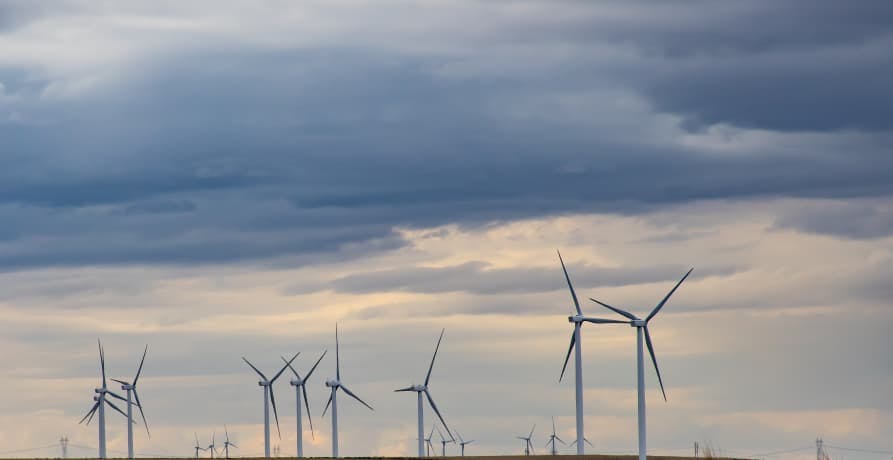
213 155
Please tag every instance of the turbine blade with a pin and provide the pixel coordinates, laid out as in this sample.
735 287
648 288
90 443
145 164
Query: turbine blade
234 445
119 381
310 372
428 377
404 389
662 302
196 440
115 407
140 406
337 355
560 440
226 432
570 286
328 403
531 431
654 360
615 310
261 374
90 413
437 411
101 362
587 442
307 405
553 426
275 412
140 369
568 357
287 364
116 395
604 321
350 393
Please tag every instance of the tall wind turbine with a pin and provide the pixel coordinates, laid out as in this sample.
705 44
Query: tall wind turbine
528 445
641 326
299 384
267 384
130 388
213 446
419 389
552 438
463 442
577 320
197 447
428 443
336 384
227 442
443 443
100 401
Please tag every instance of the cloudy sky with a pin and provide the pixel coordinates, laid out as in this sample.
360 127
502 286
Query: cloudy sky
226 179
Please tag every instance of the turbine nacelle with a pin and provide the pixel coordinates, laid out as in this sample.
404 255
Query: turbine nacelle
638 323
333 383
99 390
296 382
575 319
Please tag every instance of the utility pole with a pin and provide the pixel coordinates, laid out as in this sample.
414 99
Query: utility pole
63 441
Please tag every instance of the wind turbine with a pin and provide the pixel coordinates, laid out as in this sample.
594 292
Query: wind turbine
528 446
552 438
584 440
443 442
197 447
130 388
299 384
267 384
577 320
419 389
227 442
428 443
641 326
100 401
212 446
335 384
463 442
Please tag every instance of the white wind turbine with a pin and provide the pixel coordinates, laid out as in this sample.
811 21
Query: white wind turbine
552 438
130 388
336 384
528 445
463 442
419 389
213 446
641 326
301 387
267 384
443 442
197 447
227 442
99 405
428 443
578 319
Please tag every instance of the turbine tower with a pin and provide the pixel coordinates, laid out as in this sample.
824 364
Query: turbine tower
528 446
419 389
227 442
577 320
130 388
100 401
267 385
336 384
443 442
463 442
300 387
641 326
552 438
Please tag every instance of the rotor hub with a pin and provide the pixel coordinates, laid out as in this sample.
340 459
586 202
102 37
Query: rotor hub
333 383
296 382
575 319
638 323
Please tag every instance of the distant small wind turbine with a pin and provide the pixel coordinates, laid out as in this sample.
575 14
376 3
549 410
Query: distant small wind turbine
299 384
336 384
130 388
552 438
213 446
577 320
528 445
227 442
641 326
443 442
267 385
463 442
100 401
197 447
428 443
419 389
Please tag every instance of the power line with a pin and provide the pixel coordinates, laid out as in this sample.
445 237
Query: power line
868 451
28 449
779 452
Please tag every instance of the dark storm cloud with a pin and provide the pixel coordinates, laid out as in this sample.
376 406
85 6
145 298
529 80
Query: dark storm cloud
477 278
852 220
217 155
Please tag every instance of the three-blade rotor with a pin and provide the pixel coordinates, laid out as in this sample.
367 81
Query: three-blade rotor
301 382
424 388
136 395
337 384
101 393
269 383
